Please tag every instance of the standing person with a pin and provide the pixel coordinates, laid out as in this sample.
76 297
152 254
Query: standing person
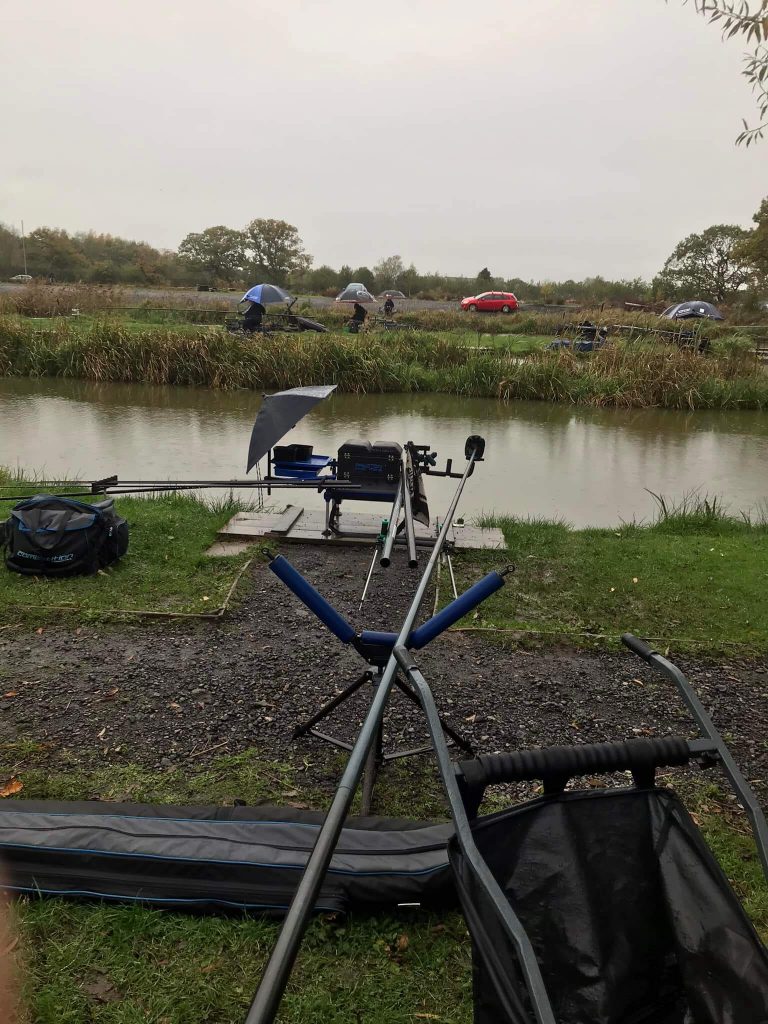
389 306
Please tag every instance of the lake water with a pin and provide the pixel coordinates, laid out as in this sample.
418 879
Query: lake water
590 466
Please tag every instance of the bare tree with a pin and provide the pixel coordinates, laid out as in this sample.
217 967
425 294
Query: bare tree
388 271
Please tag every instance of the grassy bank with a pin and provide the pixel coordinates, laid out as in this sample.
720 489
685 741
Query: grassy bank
171 306
695 578
624 374
123 965
165 569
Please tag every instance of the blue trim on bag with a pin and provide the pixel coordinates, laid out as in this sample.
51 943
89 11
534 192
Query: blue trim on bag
156 899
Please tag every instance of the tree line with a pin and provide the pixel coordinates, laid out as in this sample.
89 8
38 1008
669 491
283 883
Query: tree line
723 263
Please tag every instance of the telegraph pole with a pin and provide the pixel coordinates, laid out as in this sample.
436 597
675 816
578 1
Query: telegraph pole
24 247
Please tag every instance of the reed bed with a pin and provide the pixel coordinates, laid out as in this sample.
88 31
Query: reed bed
622 375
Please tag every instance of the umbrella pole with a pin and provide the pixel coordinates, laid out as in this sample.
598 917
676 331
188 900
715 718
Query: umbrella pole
266 1002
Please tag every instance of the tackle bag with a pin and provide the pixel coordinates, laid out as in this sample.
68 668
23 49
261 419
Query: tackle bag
51 536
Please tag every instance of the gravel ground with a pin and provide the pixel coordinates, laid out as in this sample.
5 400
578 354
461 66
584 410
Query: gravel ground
166 694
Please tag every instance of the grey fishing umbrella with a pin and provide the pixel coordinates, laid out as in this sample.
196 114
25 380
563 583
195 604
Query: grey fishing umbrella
279 413
355 292
691 310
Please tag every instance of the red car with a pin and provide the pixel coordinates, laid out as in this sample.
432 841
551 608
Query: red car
490 302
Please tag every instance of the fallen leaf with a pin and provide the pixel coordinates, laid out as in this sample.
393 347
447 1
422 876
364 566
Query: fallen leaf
40 631
100 735
427 1016
402 943
111 694
11 693
11 786
206 598
175 707
210 967
101 989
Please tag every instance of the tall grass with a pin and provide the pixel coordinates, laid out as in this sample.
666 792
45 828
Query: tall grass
43 300
619 375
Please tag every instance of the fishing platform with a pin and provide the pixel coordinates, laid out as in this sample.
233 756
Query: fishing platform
295 524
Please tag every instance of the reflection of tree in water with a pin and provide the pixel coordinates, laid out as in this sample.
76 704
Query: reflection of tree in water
589 465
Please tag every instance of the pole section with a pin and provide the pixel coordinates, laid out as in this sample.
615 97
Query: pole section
394 516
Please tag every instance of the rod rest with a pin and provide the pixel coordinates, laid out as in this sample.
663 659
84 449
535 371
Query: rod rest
375 645
555 766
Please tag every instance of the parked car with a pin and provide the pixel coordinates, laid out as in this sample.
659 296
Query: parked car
490 302
21 278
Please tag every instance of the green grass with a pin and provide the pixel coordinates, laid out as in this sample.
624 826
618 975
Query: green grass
165 569
178 968
696 577
109 964
516 344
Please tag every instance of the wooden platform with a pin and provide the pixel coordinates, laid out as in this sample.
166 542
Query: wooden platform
304 526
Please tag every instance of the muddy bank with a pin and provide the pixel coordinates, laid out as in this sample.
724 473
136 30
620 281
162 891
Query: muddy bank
165 695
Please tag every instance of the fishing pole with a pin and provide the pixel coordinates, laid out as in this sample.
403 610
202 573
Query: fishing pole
379 541
163 487
266 1001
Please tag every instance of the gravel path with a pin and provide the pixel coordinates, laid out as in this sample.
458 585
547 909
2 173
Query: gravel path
161 694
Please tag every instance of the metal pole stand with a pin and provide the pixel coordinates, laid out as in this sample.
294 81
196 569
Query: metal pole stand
376 756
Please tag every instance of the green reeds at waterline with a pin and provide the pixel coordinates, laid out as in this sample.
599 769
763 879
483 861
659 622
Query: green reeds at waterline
622 374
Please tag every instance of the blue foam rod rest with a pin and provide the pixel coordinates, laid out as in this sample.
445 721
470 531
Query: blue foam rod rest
316 603
456 610
379 638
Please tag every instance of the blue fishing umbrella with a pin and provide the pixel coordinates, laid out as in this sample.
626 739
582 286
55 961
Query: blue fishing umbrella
266 294
691 310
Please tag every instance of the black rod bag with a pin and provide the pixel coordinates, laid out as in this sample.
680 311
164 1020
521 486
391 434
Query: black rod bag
214 858
51 536
631 918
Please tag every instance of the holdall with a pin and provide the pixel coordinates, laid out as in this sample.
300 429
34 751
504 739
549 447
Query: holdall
52 536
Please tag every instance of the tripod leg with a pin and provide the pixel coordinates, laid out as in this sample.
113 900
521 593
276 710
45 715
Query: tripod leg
372 765
460 741
304 727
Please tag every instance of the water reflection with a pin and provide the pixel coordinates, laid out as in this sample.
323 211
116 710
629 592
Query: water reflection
591 466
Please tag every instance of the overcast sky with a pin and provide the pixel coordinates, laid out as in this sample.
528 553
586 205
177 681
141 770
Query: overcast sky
542 138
